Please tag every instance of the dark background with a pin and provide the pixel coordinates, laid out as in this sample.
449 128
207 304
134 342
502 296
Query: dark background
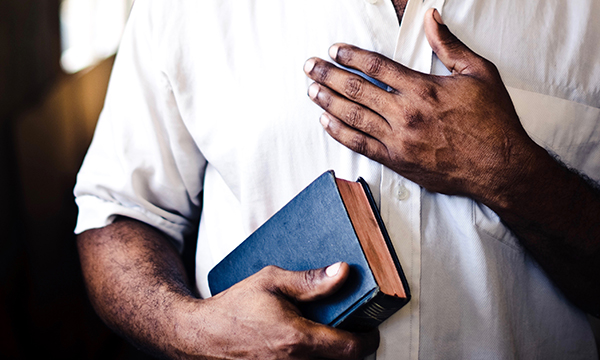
47 119
46 123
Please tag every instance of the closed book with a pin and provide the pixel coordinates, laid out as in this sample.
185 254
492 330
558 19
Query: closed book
331 220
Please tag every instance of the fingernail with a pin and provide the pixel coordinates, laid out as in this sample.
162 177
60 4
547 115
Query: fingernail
333 50
333 270
324 119
313 90
309 65
437 17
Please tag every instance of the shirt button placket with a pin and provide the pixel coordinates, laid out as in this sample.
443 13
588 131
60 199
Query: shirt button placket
401 213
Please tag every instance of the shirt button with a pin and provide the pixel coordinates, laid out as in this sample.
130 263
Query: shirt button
402 193
372 1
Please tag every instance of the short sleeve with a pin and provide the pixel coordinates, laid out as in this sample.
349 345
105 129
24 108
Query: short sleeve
143 163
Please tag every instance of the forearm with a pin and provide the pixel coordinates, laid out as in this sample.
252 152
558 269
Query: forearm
135 281
138 286
555 213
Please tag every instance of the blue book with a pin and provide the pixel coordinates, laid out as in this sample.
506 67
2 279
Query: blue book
331 220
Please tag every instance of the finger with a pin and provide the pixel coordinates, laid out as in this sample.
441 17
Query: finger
353 139
306 285
331 343
353 114
455 55
347 84
375 65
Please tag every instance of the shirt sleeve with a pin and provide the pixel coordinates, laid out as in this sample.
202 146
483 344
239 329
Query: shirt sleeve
143 162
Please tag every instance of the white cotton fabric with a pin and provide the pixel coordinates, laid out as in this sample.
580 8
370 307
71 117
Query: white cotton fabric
210 96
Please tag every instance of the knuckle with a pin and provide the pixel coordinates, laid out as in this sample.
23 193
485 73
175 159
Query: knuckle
359 144
267 275
485 63
293 342
345 54
353 87
413 118
428 92
309 278
374 65
484 67
355 116
491 68
324 99
321 72
482 64
269 270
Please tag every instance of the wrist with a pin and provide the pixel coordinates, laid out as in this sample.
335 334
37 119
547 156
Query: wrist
520 181
182 331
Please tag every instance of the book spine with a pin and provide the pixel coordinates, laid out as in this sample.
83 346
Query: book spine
372 313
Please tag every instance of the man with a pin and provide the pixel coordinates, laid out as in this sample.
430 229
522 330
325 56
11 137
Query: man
210 97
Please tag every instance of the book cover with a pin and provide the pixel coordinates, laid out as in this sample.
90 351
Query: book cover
315 230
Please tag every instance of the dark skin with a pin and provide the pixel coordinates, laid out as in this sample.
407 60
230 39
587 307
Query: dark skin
399 6
137 282
460 135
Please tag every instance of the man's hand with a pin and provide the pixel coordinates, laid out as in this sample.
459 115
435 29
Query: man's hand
137 284
460 134
256 319
455 134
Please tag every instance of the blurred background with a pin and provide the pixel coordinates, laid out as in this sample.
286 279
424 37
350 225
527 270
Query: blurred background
55 62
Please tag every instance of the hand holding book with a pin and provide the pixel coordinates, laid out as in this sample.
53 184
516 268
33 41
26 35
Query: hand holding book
332 220
258 315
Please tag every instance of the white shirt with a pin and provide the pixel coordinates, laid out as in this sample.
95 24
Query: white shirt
211 95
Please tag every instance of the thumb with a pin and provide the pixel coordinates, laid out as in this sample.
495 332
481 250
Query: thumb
455 55
310 284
